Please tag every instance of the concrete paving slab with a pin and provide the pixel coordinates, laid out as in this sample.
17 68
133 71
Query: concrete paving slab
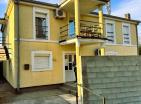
54 96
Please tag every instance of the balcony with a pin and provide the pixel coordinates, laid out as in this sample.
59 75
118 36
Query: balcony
88 30
86 6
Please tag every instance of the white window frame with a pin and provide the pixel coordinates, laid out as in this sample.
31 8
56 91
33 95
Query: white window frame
126 24
44 11
42 52
111 22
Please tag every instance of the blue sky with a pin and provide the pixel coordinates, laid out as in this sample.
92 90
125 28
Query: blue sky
119 8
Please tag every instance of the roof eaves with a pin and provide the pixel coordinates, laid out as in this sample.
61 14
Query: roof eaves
39 2
117 17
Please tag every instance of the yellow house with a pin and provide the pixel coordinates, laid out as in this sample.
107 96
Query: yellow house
46 39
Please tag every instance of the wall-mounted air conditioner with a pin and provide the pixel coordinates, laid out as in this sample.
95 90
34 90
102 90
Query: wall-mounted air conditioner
60 14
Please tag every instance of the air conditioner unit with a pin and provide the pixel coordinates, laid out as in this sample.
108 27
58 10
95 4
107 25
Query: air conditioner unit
99 52
60 14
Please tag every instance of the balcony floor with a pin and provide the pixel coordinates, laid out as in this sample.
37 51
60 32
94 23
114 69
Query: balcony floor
83 40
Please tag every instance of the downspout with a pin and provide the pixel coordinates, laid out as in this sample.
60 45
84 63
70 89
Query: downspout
18 50
137 39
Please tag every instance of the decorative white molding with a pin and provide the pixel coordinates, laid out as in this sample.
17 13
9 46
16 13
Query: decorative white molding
41 52
42 41
126 24
64 73
111 53
112 22
112 18
45 11
130 45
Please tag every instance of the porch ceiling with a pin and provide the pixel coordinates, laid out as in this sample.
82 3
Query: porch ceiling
86 6
82 41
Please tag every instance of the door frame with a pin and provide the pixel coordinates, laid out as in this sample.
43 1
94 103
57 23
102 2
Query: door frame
64 73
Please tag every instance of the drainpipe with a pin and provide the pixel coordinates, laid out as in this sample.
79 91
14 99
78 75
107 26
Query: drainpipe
137 39
18 50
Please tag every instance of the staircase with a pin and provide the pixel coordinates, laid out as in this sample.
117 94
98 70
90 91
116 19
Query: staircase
4 53
4 50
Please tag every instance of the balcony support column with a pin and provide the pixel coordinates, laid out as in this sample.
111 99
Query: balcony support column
77 47
79 71
100 14
77 17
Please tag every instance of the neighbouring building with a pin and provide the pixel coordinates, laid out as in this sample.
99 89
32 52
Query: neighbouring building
44 40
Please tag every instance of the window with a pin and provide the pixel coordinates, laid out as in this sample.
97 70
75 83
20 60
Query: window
110 32
126 34
41 61
71 28
41 24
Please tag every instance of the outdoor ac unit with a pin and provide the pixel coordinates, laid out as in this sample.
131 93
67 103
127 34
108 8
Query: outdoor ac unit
99 52
60 14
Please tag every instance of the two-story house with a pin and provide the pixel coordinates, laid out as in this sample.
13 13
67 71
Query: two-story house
47 39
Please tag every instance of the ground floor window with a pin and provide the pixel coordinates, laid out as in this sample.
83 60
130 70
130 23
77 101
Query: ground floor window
41 60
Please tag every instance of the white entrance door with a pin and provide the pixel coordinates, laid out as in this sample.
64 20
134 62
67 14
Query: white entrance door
69 68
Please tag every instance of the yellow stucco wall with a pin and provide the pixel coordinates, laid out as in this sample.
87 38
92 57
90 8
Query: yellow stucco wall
118 28
54 76
29 78
121 49
9 66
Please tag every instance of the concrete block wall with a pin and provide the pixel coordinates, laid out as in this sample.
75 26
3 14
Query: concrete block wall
118 79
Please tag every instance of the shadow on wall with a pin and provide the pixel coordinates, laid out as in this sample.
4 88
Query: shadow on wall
1 72
139 50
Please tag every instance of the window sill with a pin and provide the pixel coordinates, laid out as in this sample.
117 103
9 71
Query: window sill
39 40
43 40
128 45
110 44
42 70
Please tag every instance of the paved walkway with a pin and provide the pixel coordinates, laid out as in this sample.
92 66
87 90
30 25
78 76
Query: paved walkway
54 96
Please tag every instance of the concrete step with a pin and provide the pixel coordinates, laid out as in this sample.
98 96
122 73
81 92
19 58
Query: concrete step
69 88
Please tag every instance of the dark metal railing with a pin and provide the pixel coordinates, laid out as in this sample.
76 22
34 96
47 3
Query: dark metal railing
102 98
4 47
88 29
41 32
93 93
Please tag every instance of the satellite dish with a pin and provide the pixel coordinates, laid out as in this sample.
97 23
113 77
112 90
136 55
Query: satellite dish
108 7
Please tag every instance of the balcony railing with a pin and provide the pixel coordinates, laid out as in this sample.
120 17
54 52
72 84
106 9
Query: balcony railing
88 29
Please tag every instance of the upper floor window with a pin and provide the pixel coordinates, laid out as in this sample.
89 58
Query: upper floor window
71 28
126 34
41 24
110 32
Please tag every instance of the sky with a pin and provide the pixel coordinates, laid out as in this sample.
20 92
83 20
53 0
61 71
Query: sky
118 7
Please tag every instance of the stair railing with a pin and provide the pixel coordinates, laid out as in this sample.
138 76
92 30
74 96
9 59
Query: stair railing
91 91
